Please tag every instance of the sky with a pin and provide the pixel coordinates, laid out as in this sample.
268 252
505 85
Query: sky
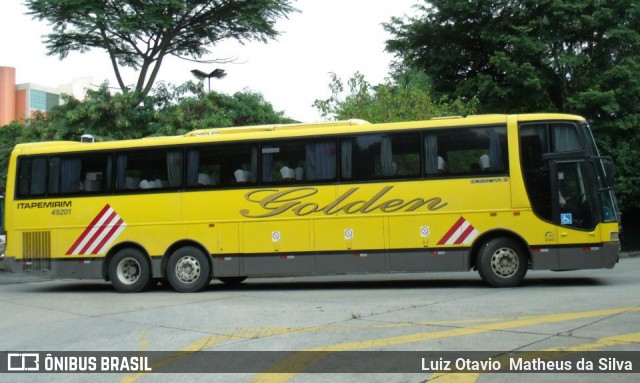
326 36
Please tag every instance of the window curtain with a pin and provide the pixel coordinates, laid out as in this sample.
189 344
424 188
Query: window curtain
541 132
121 172
109 175
312 161
267 165
193 162
174 167
70 169
38 176
386 157
346 157
565 138
431 154
495 151
54 175
254 164
321 160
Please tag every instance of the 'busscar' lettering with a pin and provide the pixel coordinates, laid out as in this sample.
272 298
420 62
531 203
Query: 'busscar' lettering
278 201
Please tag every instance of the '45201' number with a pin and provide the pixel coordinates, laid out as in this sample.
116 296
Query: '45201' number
61 212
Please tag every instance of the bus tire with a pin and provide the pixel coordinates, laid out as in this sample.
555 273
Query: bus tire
129 271
232 281
502 262
188 270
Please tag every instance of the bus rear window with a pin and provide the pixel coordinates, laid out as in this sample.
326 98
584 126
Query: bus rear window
32 177
64 175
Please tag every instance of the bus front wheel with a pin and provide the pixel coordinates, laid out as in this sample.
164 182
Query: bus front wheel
502 262
188 270
129 271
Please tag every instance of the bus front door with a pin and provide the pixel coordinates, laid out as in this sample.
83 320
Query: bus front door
574 213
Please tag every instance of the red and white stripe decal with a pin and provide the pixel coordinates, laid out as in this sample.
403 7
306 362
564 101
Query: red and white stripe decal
461 233
101 232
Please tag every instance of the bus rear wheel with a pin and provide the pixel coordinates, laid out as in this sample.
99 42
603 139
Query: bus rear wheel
502 262
129 271
188 270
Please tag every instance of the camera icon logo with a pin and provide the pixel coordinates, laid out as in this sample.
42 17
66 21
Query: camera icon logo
23 362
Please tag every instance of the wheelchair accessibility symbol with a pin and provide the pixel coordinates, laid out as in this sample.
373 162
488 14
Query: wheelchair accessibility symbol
566 219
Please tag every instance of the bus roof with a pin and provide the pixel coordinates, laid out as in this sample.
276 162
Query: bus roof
230 134
268 128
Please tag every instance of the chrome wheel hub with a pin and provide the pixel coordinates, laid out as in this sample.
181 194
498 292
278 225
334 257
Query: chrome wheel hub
187 269
128 271
504 262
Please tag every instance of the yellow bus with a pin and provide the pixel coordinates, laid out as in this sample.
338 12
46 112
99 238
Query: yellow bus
500 194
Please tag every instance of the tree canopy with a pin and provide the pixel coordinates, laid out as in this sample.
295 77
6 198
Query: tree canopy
171 110
578 57
522 54
405 97
139 34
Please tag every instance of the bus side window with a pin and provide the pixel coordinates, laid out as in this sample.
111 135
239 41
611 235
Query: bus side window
321 159
88 173
465 152
359 157
221 165
403 149
149 170
297 161
380 156
280 160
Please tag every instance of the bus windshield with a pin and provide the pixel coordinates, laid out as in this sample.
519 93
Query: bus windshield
604 174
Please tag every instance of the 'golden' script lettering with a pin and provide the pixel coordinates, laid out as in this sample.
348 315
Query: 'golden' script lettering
275 202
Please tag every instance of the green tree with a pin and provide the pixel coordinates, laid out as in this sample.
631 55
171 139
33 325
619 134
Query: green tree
406 97
10 135
579 57
102 114
520 55
212 110
170 110
140 34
